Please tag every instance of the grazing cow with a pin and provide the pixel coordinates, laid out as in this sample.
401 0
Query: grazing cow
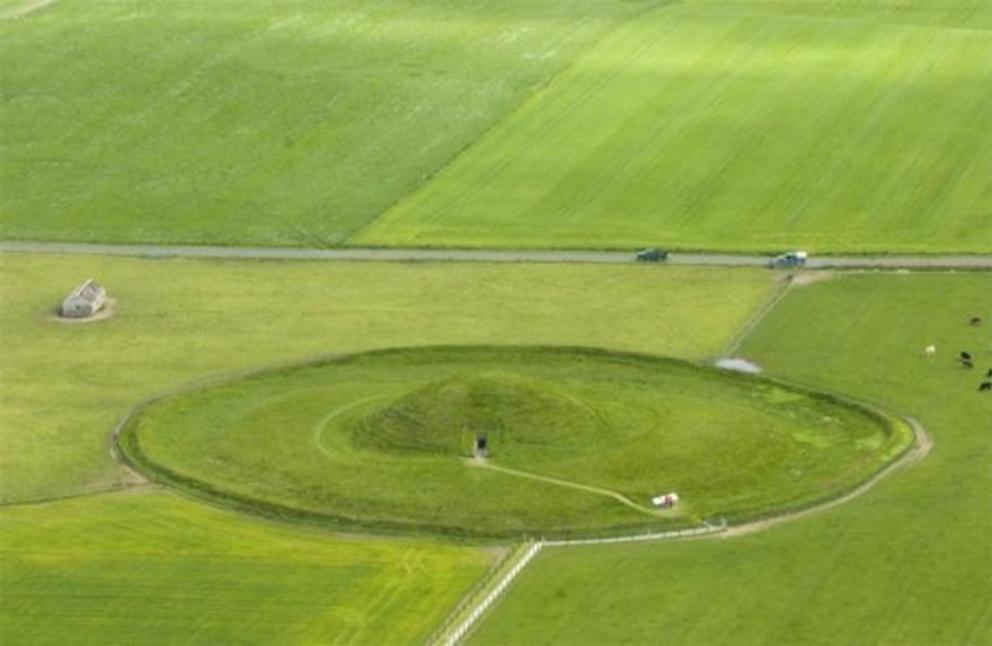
965 356
930 350
988 375
976 320
986 386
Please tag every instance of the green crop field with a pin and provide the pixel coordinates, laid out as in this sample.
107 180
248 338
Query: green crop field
908 563
384 440
64 386
151 568
290 122
747 125
276 451
835 126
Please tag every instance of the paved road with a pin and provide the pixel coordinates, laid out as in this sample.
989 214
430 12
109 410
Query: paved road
471 255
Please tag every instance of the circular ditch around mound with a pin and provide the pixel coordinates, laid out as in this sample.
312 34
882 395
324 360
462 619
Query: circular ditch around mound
577 442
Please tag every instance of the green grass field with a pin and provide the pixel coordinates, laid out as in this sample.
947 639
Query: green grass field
743 125
384 440
838 126
908 563
152 568
292 122
834 126
63 387
97 568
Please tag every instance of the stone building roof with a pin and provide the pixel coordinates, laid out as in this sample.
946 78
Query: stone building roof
89 291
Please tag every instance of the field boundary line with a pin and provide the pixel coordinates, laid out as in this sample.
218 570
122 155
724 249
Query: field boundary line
962 262
475 591
463 629
460 631
749 326
120 487
491 129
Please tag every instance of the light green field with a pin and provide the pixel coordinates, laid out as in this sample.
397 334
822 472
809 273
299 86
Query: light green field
748 125
152 568
740 125
63 386
908 563
290 122
385 440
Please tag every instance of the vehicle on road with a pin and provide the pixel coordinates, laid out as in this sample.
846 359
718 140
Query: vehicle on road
652 254
789 259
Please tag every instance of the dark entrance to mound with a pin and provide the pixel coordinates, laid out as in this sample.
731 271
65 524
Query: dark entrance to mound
481 446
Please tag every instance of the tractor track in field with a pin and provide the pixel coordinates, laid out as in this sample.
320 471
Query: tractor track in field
891 262
16 13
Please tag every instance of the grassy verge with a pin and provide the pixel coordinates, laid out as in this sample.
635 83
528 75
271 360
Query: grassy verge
64 387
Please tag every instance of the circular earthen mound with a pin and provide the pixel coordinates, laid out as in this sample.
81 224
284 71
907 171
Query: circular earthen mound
577 441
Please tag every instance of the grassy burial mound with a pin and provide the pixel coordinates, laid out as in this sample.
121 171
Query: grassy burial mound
854 126
578 441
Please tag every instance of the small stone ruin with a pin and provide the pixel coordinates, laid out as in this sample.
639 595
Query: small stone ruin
84 301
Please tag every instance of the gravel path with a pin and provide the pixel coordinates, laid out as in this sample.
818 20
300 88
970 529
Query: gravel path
619 497
484 255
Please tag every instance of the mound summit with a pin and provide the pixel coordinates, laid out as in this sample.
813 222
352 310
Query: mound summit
445 416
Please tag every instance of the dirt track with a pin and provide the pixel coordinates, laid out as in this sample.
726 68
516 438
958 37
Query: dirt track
484 255
919 451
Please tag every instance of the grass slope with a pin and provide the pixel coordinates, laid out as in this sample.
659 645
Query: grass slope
747 125
290 122
63 387
908 563
155 569
382 440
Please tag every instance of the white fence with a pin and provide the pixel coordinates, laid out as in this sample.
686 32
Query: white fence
635 538
463 628
455 636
